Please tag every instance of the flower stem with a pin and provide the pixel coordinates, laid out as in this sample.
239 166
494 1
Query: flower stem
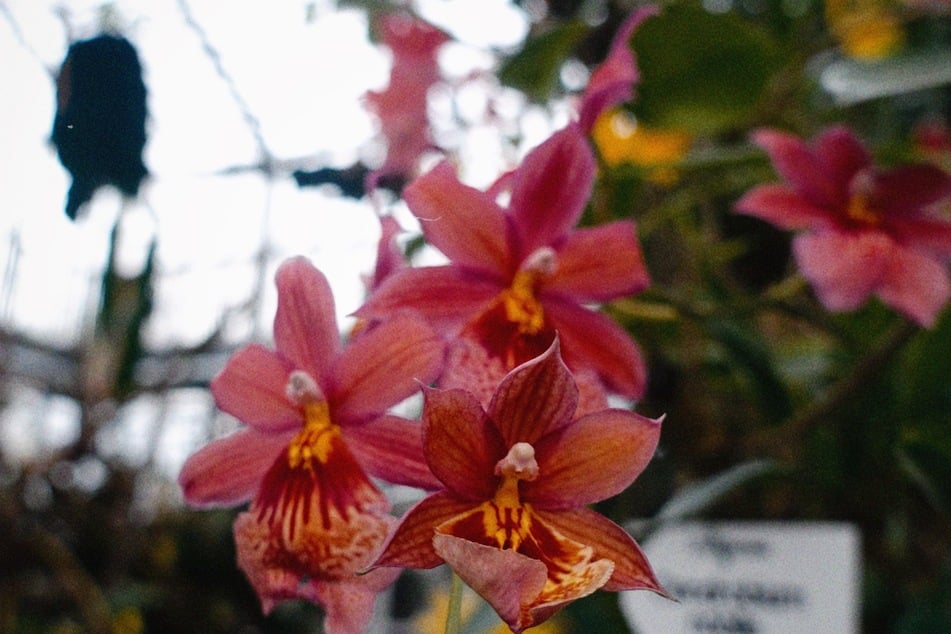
454 609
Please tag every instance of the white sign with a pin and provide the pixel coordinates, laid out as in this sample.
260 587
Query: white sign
751 578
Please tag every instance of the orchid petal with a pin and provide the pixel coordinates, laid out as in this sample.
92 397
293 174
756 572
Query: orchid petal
445 295
411 543
551 188
612 83
783 208
916 285
228 471
471 367
462 222
305 326
506 579
843 268
591 339
389 257
498 574
348 605
252 388
841 155
534 399
461 445
594 458
391 448
796 163
926 233
908 189
632 571
382 366
600 264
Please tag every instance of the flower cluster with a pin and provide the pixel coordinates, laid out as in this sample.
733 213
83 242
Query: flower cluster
507 326
866 230
513 359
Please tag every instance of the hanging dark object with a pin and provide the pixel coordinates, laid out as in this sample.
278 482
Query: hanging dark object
99 129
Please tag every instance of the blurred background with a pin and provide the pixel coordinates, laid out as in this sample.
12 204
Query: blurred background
258 138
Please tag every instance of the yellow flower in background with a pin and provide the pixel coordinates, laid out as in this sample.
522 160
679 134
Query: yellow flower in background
433 620
622 140
865 29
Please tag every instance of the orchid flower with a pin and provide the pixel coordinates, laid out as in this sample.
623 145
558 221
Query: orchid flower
612 82
511 519
315 428
518 274
401 106
864 230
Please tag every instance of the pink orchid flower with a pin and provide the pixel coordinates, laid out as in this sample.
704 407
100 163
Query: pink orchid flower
401 106
864 230
511 520
612 82
315 428
520 273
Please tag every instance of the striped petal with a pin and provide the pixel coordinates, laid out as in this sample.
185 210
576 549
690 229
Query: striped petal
596 457
305 326
534 399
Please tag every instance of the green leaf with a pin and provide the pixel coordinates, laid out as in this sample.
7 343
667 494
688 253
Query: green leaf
929 469
697 497
535 69
701 71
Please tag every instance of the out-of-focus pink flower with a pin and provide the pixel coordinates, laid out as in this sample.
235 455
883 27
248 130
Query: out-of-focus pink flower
316 426
511 520
612 82
865 230
389 257
520 273
401 106
931 139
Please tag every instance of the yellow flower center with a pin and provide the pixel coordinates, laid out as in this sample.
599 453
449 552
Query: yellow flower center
506 520
315 441
316 513
513 327
861 207
521 306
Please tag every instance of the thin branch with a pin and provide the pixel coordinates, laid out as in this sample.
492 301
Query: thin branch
21 39
250 119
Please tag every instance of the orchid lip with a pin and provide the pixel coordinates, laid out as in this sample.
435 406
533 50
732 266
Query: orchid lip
302 389
542 262
519 463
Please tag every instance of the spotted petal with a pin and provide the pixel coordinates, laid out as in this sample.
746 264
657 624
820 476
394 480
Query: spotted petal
632 571
348 604
528 584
